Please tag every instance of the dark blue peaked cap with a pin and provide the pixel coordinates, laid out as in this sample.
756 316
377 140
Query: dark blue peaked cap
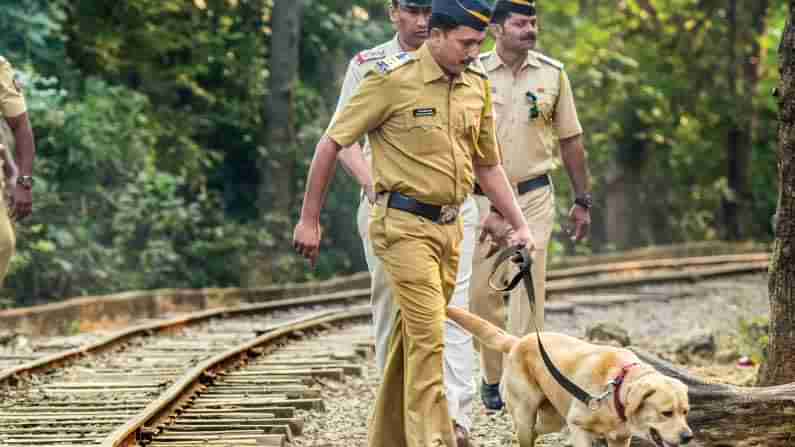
415 3
526 7
472 13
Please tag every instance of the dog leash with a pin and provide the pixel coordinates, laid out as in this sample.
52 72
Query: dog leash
520 256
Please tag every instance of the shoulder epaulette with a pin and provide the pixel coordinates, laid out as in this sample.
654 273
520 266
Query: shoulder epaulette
549 61
391 63
478 68
370 55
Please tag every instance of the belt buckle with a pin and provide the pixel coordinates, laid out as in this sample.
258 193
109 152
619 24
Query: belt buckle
448 214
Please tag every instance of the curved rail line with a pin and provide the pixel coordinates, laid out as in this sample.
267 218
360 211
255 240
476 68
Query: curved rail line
153 420
109 399
112 341
82 404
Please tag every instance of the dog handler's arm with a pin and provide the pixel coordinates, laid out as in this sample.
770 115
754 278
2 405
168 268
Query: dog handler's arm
494 182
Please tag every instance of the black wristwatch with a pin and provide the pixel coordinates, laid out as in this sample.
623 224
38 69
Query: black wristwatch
584 200
25 181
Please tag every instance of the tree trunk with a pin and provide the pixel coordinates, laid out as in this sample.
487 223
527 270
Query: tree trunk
278 165
617 210
725 415
745 34
754 61
626 215
736 139
780 366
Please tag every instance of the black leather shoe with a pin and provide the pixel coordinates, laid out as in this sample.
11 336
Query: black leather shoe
461 436
490 394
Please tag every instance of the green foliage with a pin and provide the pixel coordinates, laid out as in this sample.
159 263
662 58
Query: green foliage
754 338
150 117
652 92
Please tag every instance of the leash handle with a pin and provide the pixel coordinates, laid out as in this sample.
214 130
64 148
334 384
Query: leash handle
519 255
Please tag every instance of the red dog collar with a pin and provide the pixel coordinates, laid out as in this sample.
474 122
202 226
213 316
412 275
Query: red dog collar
617 390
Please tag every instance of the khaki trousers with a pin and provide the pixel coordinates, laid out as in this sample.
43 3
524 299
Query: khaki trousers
538 207
459 352
421 259
7 238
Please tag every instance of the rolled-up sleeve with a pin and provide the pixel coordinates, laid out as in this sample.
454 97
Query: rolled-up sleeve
487 149
565 119
349 85
367 109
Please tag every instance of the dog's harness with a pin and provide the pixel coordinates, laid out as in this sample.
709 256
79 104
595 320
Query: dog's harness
521 257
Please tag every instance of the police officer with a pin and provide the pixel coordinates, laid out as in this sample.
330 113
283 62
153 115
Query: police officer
410 18
535 112
429 119
13 109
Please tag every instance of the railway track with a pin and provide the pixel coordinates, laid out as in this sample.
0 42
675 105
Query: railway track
115 381
182 382
561 282
634 273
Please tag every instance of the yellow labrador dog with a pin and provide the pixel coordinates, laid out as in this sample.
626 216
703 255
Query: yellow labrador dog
645 404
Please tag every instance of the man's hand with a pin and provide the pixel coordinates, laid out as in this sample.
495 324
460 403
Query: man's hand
495 228
22 204
522 238
306 240
580 220
369 193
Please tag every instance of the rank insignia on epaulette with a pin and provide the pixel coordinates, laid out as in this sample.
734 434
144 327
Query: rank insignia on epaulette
387 65
368 55
548 60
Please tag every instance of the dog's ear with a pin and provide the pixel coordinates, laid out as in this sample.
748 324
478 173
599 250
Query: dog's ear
637 395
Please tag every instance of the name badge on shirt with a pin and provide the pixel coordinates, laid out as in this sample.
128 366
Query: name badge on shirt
428 111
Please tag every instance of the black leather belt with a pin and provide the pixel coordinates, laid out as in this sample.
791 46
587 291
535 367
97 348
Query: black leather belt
523 187
441 214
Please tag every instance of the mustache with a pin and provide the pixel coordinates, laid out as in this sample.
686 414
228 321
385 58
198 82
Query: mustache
528 36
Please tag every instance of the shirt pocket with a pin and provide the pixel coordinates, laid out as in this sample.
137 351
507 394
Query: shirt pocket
424 132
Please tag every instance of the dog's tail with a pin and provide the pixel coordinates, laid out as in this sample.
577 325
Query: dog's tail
490 335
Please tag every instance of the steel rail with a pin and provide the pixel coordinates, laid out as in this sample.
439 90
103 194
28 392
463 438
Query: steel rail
194 379
613 267
574 285
12 375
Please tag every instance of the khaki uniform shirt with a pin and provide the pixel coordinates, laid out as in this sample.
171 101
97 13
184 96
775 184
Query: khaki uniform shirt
528 144
426 132
359 66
